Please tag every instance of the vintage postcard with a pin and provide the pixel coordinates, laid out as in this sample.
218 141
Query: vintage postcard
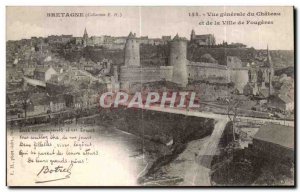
150 96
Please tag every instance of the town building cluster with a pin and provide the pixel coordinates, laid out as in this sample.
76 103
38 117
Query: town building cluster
72 81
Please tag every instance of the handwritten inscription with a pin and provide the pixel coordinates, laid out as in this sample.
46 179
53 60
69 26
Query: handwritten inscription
56 172
53 151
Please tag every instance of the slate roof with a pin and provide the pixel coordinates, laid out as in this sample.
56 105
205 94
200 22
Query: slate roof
204 36
42 69
264 92
285 98
277 134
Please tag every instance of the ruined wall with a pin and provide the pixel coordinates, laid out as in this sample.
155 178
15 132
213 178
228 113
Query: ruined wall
240 78
234 62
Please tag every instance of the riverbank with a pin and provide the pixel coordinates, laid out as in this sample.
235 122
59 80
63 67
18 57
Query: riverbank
191 164
182 168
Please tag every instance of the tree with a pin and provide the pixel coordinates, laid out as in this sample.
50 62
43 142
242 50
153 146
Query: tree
25 99
233 104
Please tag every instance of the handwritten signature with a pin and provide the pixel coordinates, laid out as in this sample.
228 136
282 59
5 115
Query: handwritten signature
57 173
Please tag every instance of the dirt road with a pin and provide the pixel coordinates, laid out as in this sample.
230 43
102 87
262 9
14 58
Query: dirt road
193 164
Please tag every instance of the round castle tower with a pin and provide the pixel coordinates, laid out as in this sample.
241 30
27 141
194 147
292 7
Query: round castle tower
132 51
177 59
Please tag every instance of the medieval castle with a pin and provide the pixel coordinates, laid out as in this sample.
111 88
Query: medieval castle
250 79
180 70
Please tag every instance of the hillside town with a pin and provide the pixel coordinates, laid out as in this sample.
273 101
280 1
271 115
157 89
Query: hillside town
254 89
44 64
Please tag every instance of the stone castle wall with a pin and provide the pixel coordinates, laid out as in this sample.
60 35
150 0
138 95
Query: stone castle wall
134 74
208 72
166 72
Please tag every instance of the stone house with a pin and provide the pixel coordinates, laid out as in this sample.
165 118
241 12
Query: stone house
44 74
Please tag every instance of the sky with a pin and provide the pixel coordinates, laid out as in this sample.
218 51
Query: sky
24 22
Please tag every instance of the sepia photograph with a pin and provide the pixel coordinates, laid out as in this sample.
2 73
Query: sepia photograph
150 96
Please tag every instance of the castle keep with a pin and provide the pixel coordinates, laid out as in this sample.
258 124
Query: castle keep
177 59
132 51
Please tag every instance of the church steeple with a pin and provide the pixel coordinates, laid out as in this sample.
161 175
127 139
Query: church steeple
193 34
85 38
85 34
131 35
269 60
271 71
